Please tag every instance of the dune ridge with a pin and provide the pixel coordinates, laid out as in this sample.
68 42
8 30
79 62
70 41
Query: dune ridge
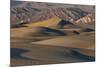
45 33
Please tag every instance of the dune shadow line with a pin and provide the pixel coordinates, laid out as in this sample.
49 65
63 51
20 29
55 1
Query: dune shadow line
82 57
16 54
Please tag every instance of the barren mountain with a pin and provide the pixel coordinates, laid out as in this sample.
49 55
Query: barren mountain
26 12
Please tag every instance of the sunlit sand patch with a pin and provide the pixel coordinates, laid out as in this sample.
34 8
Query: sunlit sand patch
71 41
46 23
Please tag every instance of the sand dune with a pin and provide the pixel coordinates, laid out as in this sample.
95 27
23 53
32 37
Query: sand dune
72 41
46 23
37 55
51 34
29 49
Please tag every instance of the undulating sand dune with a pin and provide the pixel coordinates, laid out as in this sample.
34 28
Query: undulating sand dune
51 34
69 41
33 50
30 46
46 23
39 54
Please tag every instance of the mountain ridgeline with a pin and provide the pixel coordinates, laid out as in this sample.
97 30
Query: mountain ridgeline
28 12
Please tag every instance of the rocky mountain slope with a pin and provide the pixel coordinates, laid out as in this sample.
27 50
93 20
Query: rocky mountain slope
27 12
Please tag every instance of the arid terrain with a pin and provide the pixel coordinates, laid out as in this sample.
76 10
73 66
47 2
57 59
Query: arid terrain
49 33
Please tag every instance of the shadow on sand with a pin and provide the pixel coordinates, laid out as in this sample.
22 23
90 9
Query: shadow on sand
82 57
16 54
